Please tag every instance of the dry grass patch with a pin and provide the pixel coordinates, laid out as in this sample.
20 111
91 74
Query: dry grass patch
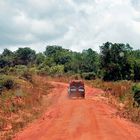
121 95
21 105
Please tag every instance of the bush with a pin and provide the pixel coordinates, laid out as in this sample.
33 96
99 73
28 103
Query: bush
88 76
136 92
9 84
43 69
6 82
5 70
27 75
20 69
33 70
57 70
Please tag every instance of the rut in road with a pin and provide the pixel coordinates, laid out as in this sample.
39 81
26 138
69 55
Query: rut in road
79 119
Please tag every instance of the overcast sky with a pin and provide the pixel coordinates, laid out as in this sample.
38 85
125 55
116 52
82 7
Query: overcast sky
73 24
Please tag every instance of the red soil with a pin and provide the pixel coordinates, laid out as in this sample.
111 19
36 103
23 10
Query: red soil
79 119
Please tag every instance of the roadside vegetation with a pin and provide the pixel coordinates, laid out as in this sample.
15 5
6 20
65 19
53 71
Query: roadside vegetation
122 94
116 69
21 99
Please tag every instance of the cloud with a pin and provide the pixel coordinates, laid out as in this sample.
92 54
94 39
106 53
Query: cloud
74 24
136 4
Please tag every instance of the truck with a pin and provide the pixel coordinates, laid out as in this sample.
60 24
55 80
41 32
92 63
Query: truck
76 88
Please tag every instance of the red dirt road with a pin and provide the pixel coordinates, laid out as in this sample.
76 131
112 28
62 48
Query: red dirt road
78 119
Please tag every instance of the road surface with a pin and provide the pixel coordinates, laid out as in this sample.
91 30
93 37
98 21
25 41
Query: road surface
79 119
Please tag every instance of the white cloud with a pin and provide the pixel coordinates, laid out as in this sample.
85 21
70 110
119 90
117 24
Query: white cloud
74 24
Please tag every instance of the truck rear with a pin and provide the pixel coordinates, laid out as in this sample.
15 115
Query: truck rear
76 88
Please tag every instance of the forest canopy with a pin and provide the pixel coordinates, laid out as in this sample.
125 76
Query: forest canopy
115 61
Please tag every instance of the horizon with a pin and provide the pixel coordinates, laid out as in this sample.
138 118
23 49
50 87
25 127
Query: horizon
98 51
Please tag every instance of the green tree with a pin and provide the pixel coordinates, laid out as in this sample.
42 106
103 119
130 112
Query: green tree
90 61
25 56
76 62
135 58
7 58
40 58
137 70
59 55
51 50
115 61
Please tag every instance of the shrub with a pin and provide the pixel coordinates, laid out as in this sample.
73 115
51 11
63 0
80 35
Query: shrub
43 69
9 84
57 70
27 75
33 70
6 82
136 92
5 70
88 76
23 72
20 69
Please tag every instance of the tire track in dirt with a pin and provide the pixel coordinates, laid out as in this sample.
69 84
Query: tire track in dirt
78 119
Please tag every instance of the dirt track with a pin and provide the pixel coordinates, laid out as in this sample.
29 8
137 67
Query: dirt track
78 119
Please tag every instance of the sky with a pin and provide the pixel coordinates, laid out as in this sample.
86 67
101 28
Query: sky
72 24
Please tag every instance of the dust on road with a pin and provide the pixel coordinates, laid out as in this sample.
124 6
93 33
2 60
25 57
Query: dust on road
79 119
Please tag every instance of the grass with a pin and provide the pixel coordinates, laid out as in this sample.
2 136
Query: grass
21 105
120 94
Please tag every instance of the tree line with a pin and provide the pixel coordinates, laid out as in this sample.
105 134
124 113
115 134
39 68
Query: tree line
116 61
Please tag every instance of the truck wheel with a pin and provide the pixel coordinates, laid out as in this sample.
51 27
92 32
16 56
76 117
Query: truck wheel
83 96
